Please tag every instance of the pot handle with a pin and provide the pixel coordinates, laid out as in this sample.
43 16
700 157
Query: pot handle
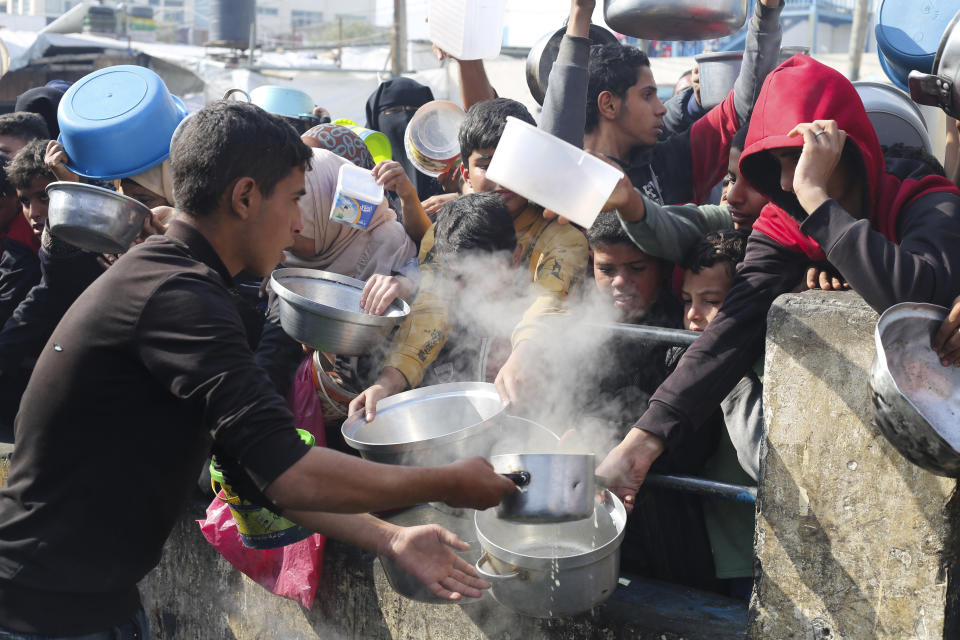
493 577
932 91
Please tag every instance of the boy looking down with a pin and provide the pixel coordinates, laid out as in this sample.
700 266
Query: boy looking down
554 254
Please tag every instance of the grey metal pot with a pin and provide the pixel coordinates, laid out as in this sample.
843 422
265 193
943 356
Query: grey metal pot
916 400
557 487
675 19
322 309
544 52
718 73
894 117
552 570
941 87
430 426
94 218
461 524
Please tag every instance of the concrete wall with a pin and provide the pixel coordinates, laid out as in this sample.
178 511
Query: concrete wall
853 541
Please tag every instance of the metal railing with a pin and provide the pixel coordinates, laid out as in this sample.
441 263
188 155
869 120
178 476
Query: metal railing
830 5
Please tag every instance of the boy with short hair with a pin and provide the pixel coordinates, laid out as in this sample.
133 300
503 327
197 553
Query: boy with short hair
19 128
555 255
707 277
19 266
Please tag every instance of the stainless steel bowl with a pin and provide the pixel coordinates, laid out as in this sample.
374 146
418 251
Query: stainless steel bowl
94 218
430 426
916 400
322 309
675 19
894 116
718 73
560 486
552 570
461 524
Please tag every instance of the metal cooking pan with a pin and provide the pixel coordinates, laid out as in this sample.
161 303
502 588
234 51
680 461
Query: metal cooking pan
916 400
544 53
675 19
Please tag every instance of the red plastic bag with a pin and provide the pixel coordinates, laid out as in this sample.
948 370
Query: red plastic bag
292 571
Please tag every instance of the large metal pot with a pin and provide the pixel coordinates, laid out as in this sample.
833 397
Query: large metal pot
916 400
552 570
94 218
543 54
322 309
460 523
430 426
557 487
718 73
894 117
675 19
940 87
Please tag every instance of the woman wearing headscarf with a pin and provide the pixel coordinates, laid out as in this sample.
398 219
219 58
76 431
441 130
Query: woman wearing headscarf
389 110
401 193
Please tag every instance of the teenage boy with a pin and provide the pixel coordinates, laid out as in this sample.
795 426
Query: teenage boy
555 255
605 99
152 370
889 228
19 266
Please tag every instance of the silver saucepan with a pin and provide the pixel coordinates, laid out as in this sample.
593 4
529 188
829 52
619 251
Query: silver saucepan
552 487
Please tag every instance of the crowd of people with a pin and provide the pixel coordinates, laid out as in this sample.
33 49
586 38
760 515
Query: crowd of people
121 375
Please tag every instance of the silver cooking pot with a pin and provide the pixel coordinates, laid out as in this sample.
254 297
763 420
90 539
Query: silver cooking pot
894 117
941 87
675 19
916 400
429 426
553 487
552 570
94 218
718 73
543 54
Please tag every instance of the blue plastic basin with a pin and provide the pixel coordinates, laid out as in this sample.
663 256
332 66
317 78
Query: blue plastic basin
282 101
117 122
908 35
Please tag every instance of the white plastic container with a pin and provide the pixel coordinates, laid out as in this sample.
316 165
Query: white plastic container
467 29
552 173
357 196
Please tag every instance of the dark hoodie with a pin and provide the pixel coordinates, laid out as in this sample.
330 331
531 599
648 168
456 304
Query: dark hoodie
905 250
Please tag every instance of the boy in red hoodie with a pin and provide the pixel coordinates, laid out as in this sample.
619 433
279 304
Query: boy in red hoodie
890 229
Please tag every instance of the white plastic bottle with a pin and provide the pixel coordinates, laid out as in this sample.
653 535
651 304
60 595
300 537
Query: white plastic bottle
357 196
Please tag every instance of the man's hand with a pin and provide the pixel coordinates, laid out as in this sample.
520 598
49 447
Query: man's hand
391 176
476 485
56 160
822 148
381 290
625 467
580 13
433 204
822 279
946 342
390 382
514 380
427 553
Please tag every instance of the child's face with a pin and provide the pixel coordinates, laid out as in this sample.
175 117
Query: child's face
142 195
703 293
34 201
628 277
475 174
745 202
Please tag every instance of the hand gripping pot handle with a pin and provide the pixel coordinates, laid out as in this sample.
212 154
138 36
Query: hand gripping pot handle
493 577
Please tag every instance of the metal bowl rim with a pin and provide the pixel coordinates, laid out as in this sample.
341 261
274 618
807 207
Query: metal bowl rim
72 188
351 425
303 303
618 516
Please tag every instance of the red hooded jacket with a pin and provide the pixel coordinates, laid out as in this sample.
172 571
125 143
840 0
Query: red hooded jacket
786 101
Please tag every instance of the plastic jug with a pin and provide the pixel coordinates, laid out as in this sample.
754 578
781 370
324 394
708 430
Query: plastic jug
357 196
467 29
